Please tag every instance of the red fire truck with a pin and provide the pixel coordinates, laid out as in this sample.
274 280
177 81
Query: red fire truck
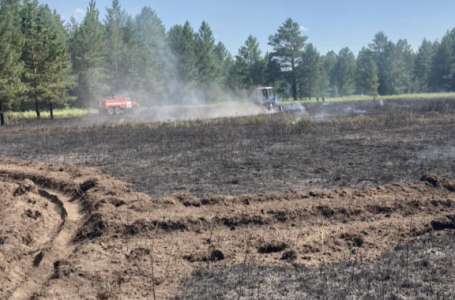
117 106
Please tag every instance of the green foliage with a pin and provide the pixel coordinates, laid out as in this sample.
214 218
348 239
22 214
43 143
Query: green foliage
11 43
367 78
131 64
88 52
206 61
378 46
310 69
54 72
116 53
152 37
443 66
288 46
223 62
44 55
422 67
46 63
249 69
328 77
344 71
396 64
182 42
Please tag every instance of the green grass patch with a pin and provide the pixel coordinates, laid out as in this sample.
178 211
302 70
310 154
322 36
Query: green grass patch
366 98
16 117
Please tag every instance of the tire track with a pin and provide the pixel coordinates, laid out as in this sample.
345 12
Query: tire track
57 249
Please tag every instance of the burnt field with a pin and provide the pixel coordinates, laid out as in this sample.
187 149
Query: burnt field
331 145
341 201
69 232
422 269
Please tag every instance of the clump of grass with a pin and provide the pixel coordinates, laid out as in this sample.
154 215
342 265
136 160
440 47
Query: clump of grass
17 117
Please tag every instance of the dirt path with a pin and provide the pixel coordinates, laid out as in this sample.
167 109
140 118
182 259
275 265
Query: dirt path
59 247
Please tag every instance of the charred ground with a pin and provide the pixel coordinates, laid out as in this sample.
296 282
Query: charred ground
69 232
336 145
290 205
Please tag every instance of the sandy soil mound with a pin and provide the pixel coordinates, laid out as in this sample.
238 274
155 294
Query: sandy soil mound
70 233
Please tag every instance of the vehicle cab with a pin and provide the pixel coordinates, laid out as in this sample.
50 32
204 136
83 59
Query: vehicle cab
265 96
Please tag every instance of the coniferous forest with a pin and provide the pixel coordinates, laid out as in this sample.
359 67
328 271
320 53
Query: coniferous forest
46 62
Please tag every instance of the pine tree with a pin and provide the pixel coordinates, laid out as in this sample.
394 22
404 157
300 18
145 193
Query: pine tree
322 87
206 59
387 70
404 64
379 44
88 51
182 42
132 58
397 65
422 67
288 45
250 64
310 70
152 69
44 55
116 49
381 49
274 76
367 80
223 60
329 62
11 43
443 65
34 53
251 54
55 65
345 72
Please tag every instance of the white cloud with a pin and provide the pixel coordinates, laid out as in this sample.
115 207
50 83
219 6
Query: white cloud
79 11
303 28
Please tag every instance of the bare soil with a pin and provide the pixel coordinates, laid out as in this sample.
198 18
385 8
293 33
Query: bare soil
76 233
118 209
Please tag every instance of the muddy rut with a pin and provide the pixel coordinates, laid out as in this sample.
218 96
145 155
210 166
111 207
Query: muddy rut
59 247
110 242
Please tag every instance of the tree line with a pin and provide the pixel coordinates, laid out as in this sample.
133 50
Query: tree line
46 62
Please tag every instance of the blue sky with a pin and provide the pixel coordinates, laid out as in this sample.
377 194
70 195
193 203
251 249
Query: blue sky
329 24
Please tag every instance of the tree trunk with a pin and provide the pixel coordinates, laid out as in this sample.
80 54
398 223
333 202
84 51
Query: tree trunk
51 110
38 114
309 90
206 85
2 117
35 83
89 88
294 80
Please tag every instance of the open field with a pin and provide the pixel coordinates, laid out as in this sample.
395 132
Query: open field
335 147
422 269
212 110
275 206
74 233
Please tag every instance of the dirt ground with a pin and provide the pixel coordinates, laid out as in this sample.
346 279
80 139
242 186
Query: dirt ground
76 233
396 142
422 269
135 210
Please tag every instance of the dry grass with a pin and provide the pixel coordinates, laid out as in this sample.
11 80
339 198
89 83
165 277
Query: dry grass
422 269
